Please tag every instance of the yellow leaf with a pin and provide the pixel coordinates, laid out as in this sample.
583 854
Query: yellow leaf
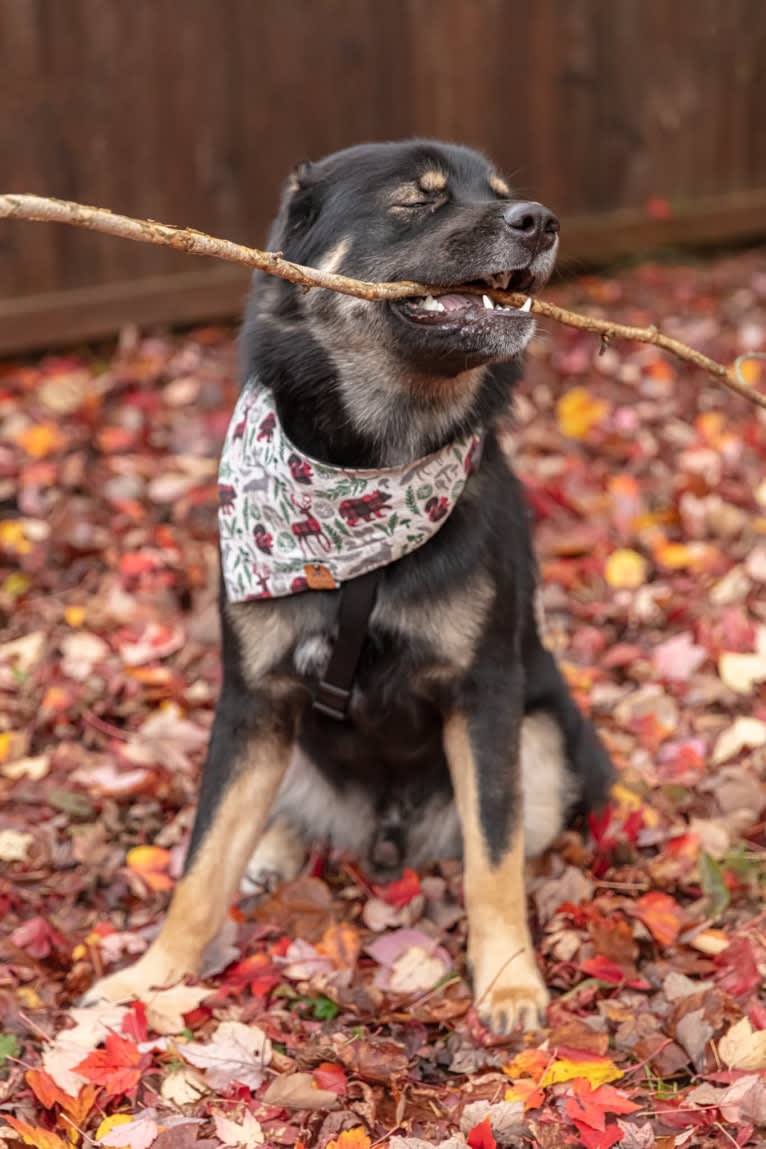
578 411
528 1063
742 1047
75 615
750 370
28 997
684 556
596 1071
12 537
355 1138
16 584
625 569
110 1123
40 439
151 862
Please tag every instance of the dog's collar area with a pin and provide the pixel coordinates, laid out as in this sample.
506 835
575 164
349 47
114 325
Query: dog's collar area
289 523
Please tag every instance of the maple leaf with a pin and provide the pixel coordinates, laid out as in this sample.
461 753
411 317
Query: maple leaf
401 892
248 1132
152 863
123 1131
595 1070
481 1136
117 1067
236 1052
33 1135
331 1076
589 1106
661 914
356 1138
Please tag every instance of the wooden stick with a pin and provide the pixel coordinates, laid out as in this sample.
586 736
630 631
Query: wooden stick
33 207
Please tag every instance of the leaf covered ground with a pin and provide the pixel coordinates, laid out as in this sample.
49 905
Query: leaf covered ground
333 1012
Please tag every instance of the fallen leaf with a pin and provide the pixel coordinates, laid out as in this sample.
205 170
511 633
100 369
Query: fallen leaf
578 411
33 1135
742 1047
151 863
742 672
625 569
355 1138
14 845
165 1008
595 1070
237 1052
247 1132
661 914
678 658
744 733
299 1091
117 1067
139 1132
481 1136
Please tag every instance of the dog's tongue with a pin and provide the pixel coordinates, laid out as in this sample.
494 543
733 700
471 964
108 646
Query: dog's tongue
458 302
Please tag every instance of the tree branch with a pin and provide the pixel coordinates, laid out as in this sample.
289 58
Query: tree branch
32 207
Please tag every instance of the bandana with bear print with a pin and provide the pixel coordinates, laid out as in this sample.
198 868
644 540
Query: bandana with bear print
289 523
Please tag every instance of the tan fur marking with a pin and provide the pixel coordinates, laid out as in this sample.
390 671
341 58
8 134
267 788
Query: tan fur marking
264 634
433 180
508 989
202 897
452 626
332 261
547 786
499 186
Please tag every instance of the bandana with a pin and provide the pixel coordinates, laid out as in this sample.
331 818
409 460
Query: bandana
289 523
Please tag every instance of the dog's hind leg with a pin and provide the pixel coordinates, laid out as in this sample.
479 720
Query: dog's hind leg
483 763
278 857
247 758
560 750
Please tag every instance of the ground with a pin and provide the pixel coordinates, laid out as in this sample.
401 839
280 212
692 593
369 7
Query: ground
335 1011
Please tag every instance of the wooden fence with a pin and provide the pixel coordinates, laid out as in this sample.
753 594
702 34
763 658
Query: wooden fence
641 121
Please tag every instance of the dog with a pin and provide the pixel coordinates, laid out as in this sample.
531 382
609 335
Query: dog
454 732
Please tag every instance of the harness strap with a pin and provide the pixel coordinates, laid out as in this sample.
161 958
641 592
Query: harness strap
357 599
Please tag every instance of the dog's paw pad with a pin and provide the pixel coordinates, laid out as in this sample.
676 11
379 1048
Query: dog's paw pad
506 1008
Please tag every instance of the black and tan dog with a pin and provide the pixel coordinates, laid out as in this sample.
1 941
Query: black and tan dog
461 734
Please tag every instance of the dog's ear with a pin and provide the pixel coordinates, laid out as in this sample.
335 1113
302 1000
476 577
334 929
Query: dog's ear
301 199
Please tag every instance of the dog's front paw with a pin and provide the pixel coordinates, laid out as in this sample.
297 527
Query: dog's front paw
155 970
511 997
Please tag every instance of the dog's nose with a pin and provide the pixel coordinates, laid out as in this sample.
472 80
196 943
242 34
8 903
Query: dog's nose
532 223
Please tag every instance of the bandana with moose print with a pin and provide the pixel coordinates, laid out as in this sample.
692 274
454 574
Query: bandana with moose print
289 523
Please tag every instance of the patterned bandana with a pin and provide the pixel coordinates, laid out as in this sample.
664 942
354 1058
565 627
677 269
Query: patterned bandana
289 523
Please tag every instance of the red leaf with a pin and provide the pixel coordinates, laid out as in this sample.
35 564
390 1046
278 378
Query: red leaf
481 1136
400 893
598 1139
330 1075
739 974
661 914
117 1067
37 937
134 1023
609 971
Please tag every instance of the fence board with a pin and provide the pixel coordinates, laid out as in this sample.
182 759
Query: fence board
193 111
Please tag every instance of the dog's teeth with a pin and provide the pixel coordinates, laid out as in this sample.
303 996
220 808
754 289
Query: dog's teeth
431 304
488 303
527 304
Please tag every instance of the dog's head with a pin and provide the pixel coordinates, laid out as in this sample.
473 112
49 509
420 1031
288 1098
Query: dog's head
420 210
